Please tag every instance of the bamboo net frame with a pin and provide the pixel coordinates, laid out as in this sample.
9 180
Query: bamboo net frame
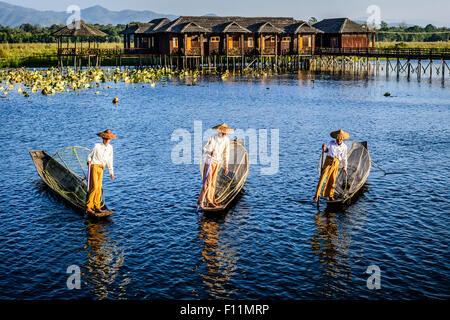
238 168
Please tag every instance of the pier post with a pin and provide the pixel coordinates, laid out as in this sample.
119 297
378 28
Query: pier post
409 68
388 65
419 67
378 66
431 69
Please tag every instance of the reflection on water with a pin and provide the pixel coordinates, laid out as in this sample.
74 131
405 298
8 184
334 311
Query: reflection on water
104 260
332 241
218 262
331 245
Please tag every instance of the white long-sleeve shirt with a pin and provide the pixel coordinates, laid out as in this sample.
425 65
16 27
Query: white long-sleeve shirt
102 154
337 151
221 147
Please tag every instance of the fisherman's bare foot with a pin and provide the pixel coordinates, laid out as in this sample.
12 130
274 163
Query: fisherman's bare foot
316 199
89 210
99 211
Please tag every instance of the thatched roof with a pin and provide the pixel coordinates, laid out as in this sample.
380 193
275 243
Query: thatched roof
267 27
302 27
145 27
232 27
340 25
214 24
81 30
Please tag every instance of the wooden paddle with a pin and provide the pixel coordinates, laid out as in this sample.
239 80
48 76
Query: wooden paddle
321 169
88 178
321 162
204 180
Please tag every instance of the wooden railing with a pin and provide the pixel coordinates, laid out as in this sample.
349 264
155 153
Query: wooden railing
234 52
268 51
194 52
387 52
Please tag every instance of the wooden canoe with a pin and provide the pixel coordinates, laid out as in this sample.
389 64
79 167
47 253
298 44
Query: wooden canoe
63 180
358 168
230 185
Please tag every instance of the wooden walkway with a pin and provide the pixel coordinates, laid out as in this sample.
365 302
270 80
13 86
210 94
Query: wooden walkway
401 53
419 61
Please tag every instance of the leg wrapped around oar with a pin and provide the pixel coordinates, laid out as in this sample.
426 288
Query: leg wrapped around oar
329 173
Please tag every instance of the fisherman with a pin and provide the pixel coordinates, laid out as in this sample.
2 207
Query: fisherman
101 155
336 151
216 150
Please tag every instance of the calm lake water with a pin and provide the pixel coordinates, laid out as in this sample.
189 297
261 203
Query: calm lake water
274 242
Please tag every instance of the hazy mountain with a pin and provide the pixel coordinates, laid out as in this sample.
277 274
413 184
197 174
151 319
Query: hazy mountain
409 23
12 15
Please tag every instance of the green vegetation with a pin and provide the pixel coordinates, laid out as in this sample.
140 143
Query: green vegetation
51 81
428 45
402 33
38 54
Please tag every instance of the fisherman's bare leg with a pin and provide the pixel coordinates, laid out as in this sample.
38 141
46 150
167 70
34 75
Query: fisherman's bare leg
210 195
201 197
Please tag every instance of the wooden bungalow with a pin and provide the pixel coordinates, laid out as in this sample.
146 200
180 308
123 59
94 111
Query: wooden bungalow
227 36
343 33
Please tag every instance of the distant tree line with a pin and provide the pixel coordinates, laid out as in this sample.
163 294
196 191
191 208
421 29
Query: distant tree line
404 33
27 33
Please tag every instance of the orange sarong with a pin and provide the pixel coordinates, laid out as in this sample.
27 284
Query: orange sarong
95 187
330 170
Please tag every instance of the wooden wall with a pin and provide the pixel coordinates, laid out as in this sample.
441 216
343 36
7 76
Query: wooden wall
355 41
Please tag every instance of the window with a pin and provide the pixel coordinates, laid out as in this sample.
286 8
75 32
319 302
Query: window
272 39
286 39
250 42
175 42
153 42
215 39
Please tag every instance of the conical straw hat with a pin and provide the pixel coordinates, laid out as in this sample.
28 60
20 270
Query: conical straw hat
340 134
223 128
107 134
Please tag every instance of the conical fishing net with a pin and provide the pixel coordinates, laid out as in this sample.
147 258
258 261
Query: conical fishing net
66 173
238 167
358 168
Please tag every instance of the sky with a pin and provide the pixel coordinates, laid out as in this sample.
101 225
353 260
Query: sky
394 10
